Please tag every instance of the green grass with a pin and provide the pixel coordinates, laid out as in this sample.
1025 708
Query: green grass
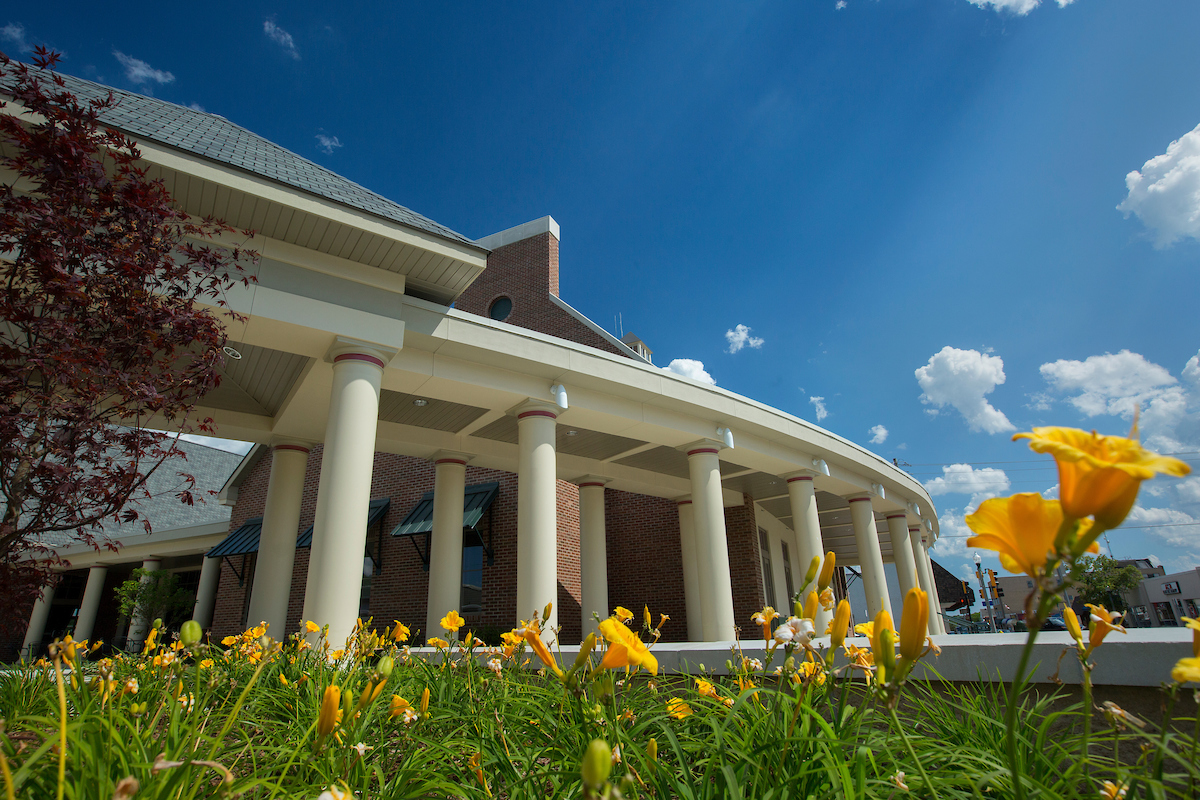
257 735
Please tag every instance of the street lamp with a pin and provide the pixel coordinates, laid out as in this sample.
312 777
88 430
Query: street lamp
983 595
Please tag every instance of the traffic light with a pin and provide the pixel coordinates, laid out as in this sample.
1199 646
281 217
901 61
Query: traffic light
999 591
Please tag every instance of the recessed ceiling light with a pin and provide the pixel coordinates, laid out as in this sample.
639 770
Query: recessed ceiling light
420 402
234 354
572 433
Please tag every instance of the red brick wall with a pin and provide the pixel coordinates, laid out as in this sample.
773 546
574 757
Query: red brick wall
401 590
645 562
527 273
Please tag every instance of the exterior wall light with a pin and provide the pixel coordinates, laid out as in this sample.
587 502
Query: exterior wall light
877 488
914 509
820 464
560 395
726 436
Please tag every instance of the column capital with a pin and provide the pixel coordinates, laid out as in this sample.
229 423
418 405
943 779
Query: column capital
536 408
345 348
451 457
702 446
287 443
592 480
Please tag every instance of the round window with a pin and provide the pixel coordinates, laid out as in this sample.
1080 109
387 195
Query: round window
501 308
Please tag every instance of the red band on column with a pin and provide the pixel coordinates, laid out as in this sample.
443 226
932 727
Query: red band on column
593 483
712 450
291 447
897 516
537 413
800 478
914 528
860 499
359 357
683 502
450 461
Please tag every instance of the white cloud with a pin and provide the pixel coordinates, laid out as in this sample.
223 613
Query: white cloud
139 72
819 405
740 337
1114 384
961 378
281 37
840 5
1188 490
327 144
14 32
981 484
879 434
1018 7
690 368
953 533
196 107
1165 193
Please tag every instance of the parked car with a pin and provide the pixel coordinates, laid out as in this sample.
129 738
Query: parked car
1054 623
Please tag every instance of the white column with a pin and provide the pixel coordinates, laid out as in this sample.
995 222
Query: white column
935 599
335 569
870 558
693 589
446 540
86 621
277 543
537 512
807 524
712 547
902 553
593 551
37 621
206 593
139 625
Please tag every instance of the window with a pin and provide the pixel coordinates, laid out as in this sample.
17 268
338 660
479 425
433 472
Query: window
1191 608
471 601
500 309
1164 613
764 545
787 572
364 594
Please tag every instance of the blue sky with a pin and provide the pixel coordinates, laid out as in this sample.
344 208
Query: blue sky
910 205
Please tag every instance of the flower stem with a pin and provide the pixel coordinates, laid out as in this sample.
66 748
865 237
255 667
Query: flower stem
62 727
912 753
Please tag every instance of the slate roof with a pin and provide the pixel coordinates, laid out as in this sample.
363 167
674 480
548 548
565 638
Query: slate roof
209 466
213 137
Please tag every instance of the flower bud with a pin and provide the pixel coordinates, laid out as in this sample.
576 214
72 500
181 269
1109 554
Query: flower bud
810 606
385 666
190 633
157 623
652 750
646 618
546 612
826 576
585 650
729 666
597 763
789 665
1072 621
885 657
329 708
813 568
841 622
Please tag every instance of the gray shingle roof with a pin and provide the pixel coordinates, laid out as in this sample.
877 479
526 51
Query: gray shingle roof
209 466
214 137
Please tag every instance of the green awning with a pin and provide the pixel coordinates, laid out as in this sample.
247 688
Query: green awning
476 501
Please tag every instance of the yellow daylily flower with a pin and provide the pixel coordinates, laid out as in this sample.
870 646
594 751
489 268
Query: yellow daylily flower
623 614
1194 624
533 636
625 648
1101 623
662 620
1186 669
440 644
678 709
1022 529
400 633
1113 791
1099 475
706 689
311 627
809 672
452 622
398 706
764 618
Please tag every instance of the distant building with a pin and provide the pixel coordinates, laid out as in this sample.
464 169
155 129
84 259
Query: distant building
1162 600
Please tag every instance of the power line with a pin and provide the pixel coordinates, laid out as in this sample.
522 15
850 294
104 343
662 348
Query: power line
1032 460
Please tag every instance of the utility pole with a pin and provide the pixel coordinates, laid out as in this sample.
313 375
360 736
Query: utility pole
983 593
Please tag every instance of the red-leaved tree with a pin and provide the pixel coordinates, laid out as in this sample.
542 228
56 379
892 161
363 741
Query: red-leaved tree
101 327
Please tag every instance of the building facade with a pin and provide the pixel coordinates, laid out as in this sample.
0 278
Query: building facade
439 429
